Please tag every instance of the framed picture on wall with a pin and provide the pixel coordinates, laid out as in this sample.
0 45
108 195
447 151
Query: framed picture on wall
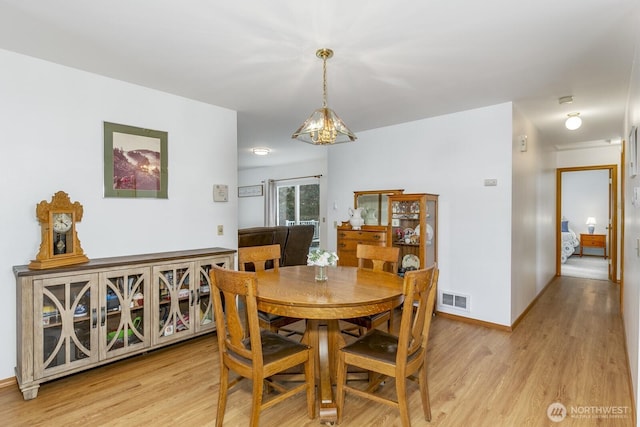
633 152
135 162
250 191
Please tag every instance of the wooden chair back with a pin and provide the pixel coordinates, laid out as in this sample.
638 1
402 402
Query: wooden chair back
233 322
258 256
400 357
379 257
419 287
251 352
266 257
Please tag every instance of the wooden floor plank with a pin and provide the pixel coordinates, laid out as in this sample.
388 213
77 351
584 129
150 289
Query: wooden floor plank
569 348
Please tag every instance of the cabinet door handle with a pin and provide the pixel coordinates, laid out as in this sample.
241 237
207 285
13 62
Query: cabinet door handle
198 294
193 300
103 315
94 318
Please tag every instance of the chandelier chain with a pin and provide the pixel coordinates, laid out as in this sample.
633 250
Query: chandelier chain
324 81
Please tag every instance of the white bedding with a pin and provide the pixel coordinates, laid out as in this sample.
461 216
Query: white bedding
569 244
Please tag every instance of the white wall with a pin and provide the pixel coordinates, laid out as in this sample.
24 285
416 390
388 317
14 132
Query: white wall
596 156
451 156
631 277
532 215
546 218
51 134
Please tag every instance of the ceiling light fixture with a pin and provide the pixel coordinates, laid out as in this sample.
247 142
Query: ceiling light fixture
324 126
574 121
260 151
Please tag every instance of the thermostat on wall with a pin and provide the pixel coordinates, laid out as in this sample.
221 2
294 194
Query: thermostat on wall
220 193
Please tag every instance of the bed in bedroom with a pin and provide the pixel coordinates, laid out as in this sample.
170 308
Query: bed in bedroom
570 242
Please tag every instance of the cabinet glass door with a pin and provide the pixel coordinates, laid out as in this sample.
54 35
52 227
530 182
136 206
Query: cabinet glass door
65 338
374 204
414 227
431 232
123 318
204 303
175 301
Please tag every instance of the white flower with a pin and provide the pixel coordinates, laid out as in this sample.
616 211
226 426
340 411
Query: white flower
322 258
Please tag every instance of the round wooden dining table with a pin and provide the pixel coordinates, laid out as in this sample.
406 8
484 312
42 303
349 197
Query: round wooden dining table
347 293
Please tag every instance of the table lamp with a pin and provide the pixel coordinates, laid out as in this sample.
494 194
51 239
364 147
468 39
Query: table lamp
591 224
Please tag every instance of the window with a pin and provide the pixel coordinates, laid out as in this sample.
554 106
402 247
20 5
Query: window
299 203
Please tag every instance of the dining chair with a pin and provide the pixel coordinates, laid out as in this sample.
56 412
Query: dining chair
400 357
251 352
261 258
378 257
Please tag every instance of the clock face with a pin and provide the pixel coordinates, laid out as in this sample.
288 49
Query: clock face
62 222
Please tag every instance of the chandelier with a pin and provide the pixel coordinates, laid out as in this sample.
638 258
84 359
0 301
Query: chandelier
324 126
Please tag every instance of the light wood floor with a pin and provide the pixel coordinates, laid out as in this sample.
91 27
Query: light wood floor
568 349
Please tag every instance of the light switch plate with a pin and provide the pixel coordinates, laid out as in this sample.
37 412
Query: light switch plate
523 143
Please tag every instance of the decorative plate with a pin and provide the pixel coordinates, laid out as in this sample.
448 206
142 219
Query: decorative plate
410 260
429 232
409 232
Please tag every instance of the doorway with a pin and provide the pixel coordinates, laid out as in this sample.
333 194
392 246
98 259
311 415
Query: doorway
586 212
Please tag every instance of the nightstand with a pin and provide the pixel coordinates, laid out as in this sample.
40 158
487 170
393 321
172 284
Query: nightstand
593 241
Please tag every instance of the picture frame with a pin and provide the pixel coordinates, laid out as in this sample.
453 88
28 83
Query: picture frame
250 191
135 162
633 152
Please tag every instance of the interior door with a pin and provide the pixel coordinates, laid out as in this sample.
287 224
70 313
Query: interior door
609 223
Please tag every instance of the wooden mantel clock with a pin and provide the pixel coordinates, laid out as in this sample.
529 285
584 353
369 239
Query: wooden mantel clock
60 245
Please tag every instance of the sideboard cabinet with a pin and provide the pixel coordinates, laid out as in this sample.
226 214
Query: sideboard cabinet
75 318
348 240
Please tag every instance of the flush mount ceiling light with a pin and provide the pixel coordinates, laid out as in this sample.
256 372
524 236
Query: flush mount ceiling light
324 126
260 151
574 121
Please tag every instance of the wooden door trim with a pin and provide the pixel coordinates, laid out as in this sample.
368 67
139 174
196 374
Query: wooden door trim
613 231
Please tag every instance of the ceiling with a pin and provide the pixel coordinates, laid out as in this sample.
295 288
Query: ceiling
394 61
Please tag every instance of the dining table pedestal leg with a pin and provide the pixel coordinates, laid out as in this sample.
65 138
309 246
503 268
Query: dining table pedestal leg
324 336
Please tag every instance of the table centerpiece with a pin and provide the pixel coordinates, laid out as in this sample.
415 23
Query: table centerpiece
321 259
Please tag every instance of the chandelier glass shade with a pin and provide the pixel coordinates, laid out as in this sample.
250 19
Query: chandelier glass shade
324 126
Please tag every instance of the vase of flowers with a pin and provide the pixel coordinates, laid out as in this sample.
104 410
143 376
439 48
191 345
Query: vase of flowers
321 259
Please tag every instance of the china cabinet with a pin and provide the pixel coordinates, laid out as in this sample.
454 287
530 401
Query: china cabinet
74 318
414 228
374 205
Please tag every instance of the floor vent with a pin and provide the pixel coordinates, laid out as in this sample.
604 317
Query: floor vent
457 301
